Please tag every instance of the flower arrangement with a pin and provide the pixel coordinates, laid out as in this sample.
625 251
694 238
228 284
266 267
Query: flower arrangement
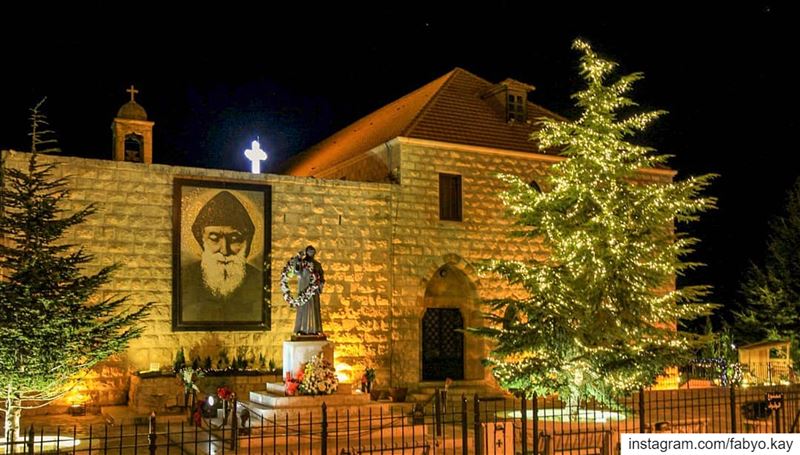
318 377
292 383
189 375
225 394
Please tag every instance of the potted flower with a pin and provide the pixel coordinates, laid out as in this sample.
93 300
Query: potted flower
189 375
367 379
225 394
398 394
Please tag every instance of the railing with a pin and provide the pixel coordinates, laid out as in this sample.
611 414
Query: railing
774 372
461 425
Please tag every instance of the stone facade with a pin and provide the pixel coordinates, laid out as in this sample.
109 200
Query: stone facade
381 245
348 222
422 245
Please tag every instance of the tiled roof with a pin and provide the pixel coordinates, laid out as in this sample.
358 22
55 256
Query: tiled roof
453 108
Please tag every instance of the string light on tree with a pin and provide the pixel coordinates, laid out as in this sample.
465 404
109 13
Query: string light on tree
256 156
601 309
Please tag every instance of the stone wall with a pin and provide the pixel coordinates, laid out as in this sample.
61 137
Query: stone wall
380 244
423 243
348 222
161 393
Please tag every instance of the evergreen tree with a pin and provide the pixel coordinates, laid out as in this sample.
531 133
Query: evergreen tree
771 292
601 312
53 327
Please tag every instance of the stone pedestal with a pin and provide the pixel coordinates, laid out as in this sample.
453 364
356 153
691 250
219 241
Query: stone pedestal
296 353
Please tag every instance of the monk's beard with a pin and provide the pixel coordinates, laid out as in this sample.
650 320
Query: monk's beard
223 274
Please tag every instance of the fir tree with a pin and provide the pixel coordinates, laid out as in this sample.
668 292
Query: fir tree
180 361
601 310
771 292
53 327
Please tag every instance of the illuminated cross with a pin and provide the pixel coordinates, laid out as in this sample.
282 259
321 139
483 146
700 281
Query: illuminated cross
132 91
255 155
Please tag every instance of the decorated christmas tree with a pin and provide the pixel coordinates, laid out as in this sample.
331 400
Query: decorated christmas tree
53 326
601 309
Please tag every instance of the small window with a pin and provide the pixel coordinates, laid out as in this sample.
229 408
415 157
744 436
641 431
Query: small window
450 197
516 108
535 186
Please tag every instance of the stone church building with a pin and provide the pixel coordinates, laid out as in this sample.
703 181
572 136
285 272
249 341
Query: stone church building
400 206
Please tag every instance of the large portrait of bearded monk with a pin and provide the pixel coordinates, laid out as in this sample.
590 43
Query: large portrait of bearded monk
221 241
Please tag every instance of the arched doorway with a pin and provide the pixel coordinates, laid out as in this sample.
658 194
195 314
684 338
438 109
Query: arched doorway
442 344
449 307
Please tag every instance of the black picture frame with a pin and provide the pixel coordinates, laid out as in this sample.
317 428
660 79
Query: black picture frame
221 261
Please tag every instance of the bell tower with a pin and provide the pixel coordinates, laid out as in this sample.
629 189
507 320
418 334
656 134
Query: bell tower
132 132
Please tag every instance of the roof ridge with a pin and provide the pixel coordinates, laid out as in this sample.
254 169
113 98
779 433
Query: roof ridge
414 121
418 118
450 108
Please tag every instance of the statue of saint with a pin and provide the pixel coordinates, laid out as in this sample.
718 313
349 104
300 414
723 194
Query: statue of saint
308 320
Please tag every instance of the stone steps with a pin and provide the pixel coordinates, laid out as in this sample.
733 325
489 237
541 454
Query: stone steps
365 416
413 438
425 390
273 399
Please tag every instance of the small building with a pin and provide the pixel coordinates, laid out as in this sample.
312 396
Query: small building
767 362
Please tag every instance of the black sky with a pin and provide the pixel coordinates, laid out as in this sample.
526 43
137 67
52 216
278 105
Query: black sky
213 78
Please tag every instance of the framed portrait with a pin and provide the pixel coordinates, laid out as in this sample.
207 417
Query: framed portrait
221 248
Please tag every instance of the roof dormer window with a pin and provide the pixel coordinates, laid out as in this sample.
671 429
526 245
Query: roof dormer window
515 107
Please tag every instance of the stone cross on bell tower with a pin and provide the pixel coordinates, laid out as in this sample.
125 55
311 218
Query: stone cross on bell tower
132 132
133 92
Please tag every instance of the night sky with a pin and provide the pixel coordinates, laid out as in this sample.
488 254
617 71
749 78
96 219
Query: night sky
213 80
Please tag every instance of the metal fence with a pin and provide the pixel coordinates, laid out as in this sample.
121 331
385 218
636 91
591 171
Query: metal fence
444 425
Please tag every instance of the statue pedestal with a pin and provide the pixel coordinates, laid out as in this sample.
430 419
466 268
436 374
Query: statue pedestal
296 353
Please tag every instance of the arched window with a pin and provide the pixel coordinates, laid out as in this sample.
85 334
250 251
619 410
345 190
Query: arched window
535 186
134 145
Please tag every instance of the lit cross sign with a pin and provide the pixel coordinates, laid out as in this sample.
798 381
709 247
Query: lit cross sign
256 156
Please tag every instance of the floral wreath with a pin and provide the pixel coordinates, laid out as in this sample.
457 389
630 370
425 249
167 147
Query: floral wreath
292 268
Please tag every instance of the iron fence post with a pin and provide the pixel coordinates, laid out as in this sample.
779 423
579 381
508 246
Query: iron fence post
194 403
478 431
437 413
234 424
151 434
733 408
641 410
535 415
30 440
464 426
524 406
324 444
